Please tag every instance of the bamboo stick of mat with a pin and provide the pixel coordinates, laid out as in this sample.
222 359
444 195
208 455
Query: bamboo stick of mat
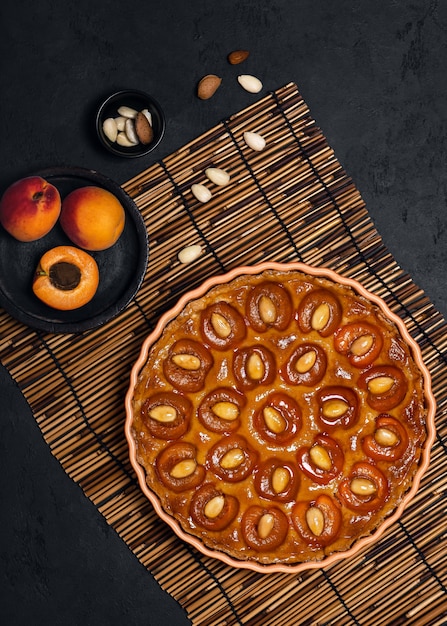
293 201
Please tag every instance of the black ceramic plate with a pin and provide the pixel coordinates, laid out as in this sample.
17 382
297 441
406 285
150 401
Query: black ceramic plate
121 267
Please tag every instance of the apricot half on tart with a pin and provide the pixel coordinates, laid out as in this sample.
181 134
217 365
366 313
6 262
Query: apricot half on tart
66 278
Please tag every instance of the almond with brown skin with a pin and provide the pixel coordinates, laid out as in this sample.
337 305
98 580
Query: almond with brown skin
208 86
143 129
238 56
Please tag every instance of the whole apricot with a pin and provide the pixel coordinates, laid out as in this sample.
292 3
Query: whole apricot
66 278
30 208
92 218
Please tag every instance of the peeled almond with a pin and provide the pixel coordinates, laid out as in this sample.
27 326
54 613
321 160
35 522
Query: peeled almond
255 141
123 140
201 193
110 129
250 83
190 253
120 123
148 115
129 129
126 111
217 176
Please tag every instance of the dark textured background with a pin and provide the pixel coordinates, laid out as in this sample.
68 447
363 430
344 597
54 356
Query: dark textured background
374 76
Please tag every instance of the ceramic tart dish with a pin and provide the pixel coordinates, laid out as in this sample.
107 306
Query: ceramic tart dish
280 417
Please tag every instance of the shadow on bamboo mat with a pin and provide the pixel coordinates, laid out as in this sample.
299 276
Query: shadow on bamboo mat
291 202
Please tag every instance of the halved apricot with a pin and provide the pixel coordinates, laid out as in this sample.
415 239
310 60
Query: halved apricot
264 528
320 311
213 509
317 522
365 489
66 278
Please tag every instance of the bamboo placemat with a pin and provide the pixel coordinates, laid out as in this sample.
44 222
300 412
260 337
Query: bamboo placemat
291 202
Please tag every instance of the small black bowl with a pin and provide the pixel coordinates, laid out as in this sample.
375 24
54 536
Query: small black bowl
137 100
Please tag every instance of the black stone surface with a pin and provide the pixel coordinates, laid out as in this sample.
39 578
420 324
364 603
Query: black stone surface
373 74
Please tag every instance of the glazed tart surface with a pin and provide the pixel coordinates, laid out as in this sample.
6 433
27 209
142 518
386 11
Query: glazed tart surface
279 417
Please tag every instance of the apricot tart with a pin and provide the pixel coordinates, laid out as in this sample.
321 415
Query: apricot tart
279 416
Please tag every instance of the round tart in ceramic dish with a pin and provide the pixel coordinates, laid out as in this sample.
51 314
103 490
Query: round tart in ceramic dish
280 417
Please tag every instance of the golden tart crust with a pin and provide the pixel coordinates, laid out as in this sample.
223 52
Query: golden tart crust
279 418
